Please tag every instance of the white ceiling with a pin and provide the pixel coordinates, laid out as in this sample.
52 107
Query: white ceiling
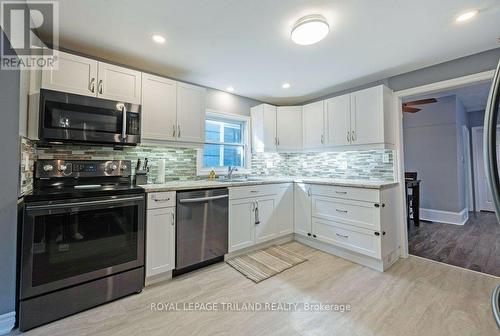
246 44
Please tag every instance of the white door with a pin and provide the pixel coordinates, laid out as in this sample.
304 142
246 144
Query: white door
191 105
302 209
118 83
159 108
313 133
160 245
367 116
289 128
284 210
75 74
264 219
484 198
241 224
338 120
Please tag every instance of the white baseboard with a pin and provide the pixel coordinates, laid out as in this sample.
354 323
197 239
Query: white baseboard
447 217
7 322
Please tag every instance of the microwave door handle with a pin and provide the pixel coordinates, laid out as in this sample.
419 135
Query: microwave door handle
124 123
490 138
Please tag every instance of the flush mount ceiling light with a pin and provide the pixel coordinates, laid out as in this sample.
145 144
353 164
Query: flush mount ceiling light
467 16
158 39
310 29
230 89
285 85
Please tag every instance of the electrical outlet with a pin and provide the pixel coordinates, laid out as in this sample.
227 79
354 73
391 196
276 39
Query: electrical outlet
269 164
386 158
343 164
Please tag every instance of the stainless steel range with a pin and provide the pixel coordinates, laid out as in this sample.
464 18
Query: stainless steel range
82 239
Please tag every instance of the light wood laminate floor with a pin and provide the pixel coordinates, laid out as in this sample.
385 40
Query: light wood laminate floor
414 297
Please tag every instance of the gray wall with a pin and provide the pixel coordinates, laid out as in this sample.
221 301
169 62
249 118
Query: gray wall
461 117
430 146
467 65
9 152
226 102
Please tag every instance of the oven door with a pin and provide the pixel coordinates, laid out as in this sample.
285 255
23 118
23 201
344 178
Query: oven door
73 241
66 117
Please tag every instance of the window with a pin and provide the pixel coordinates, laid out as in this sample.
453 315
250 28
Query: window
225 143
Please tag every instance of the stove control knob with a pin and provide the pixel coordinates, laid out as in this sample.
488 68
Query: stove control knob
48 167
123 167
113 167
63 167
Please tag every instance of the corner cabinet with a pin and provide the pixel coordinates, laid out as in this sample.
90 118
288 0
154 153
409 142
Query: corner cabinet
289 128
172 111
313 129
88 77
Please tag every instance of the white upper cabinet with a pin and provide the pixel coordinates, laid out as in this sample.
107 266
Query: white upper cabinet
313 125
191 105
367 116
88 77
74 74
338 120
289 128
264 138
118 83
159 108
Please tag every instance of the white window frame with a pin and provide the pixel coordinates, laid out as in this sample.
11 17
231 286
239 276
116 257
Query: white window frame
245 120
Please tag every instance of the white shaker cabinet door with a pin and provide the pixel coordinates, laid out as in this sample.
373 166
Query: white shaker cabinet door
289 128
118 83
160 241
241 224
72 74
367 116
159 108
338 120
191 105
313 125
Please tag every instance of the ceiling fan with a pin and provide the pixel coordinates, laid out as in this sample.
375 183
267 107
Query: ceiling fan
407 107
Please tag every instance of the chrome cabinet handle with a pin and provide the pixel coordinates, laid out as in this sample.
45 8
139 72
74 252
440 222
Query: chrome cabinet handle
173 129
275 141
309 192
341 211
341 192
92 85
253 206
254 191
257 220
348 136
278 139
100 86
178 131
322 139
162 199
173 218
341 235
353 136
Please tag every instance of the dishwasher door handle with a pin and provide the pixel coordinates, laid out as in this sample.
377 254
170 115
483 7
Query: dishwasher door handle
202 199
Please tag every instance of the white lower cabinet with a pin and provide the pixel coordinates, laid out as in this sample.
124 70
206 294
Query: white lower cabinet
259 213
160 234
359 224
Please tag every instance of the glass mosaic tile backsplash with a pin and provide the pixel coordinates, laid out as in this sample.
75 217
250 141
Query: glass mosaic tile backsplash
181 162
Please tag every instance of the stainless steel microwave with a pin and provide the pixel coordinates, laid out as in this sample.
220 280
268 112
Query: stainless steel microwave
70 118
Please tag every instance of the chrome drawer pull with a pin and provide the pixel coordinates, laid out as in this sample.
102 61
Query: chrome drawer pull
342 211
343 236
341 192
162 199
254 191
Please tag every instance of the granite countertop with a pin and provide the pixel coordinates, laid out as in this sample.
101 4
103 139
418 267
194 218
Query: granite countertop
205 184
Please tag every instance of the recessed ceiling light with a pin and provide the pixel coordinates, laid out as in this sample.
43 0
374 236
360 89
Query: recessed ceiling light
467 16
230 89
310 29
285 85
158 39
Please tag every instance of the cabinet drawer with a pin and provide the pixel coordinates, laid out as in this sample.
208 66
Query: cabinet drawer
361 194
161 199
349 237
358 213
253 191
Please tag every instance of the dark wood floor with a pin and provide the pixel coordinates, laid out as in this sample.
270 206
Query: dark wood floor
474 245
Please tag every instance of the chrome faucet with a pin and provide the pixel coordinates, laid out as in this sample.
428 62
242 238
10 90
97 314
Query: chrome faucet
230 171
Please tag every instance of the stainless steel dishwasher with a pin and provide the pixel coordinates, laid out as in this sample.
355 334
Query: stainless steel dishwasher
202 228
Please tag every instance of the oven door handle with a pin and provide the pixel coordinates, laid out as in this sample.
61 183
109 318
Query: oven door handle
76 204
202 199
